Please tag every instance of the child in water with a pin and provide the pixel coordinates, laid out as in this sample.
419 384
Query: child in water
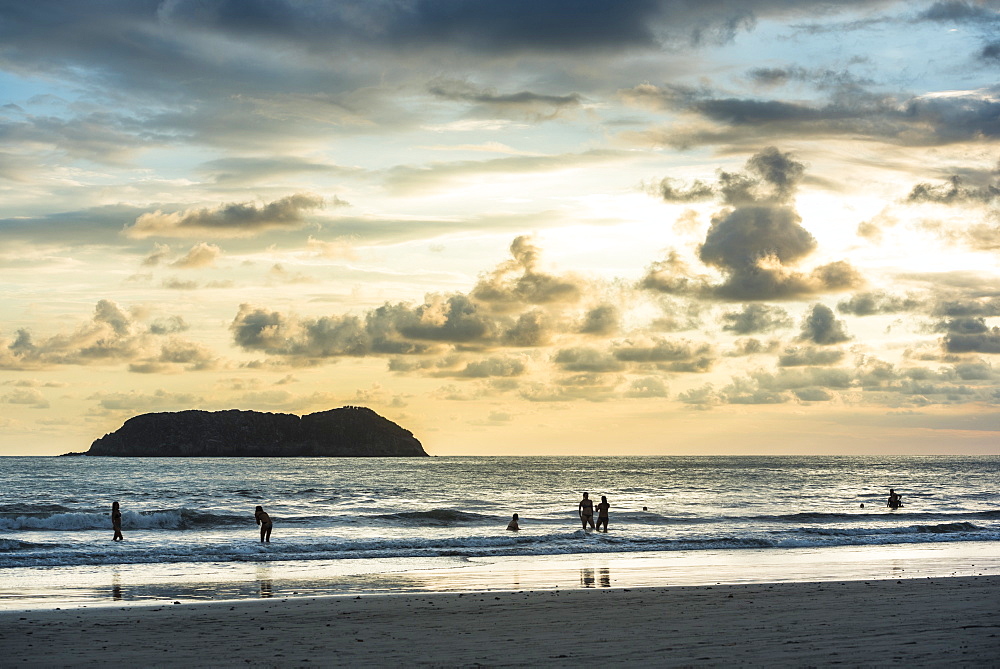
264 521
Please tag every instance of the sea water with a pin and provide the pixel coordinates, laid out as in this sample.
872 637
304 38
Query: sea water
184 516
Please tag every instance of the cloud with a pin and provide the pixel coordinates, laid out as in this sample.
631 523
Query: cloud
809 356
494 367
756 318
770 176
230 220
990 53
111 337
821 327
200 255
957 11
753 245
587 359
971 335
409 179
239 171
954 191
168 325
756 240
523 104
646 387
850 111
26 396
160 252
676 356
602 320
672 190
137 402
518 281
877 302
751 346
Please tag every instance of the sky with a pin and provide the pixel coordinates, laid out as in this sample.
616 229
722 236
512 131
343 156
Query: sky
514 228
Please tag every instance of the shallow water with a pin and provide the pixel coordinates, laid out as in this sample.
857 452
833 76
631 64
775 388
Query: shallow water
356 517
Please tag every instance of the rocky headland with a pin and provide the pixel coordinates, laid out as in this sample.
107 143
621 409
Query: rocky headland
345 432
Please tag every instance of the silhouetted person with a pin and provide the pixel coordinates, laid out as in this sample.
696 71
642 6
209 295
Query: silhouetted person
116 522
586 509
264 521
512 525
894 501
602 513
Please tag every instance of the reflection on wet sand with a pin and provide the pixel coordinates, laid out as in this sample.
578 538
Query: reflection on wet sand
116 586
603 579
264 581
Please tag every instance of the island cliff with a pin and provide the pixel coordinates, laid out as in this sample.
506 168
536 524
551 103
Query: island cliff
344 432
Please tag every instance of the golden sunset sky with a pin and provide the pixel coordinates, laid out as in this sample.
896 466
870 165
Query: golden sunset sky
544 227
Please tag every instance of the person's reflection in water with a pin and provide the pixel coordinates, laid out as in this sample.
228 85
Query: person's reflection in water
587 577
264 581
605 575
116 586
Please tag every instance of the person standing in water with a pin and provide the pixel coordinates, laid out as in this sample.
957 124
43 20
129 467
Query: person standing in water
602 513
895 501
512 525
264 521
586 509
116 522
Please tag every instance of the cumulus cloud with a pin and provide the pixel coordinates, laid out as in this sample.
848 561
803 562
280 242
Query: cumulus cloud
27 397
519 281
671 355
821 327
756 240
200 255
158 255
602 320
971 335
587 359
756 318
808 356
877 302
112 336
646 387
230 220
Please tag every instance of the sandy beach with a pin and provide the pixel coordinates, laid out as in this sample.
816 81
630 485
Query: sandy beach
907 622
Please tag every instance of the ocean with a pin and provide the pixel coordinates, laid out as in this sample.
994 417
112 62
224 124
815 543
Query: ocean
379 515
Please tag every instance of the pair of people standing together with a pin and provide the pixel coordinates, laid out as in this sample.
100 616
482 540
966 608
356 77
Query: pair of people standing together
586 509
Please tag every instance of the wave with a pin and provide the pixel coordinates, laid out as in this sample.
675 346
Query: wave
7 545
32 508
437 517
943 528
874 513
244 549
168 519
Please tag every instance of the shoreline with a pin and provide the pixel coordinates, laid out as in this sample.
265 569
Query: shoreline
906 622
39 588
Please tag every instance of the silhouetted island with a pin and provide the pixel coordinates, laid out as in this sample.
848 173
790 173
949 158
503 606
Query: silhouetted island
345 432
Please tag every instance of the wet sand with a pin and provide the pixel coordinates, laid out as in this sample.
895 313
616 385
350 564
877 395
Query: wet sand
907 622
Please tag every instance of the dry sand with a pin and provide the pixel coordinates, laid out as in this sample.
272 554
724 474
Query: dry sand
916 622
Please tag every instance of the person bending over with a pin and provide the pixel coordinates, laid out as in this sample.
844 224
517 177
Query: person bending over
264 521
